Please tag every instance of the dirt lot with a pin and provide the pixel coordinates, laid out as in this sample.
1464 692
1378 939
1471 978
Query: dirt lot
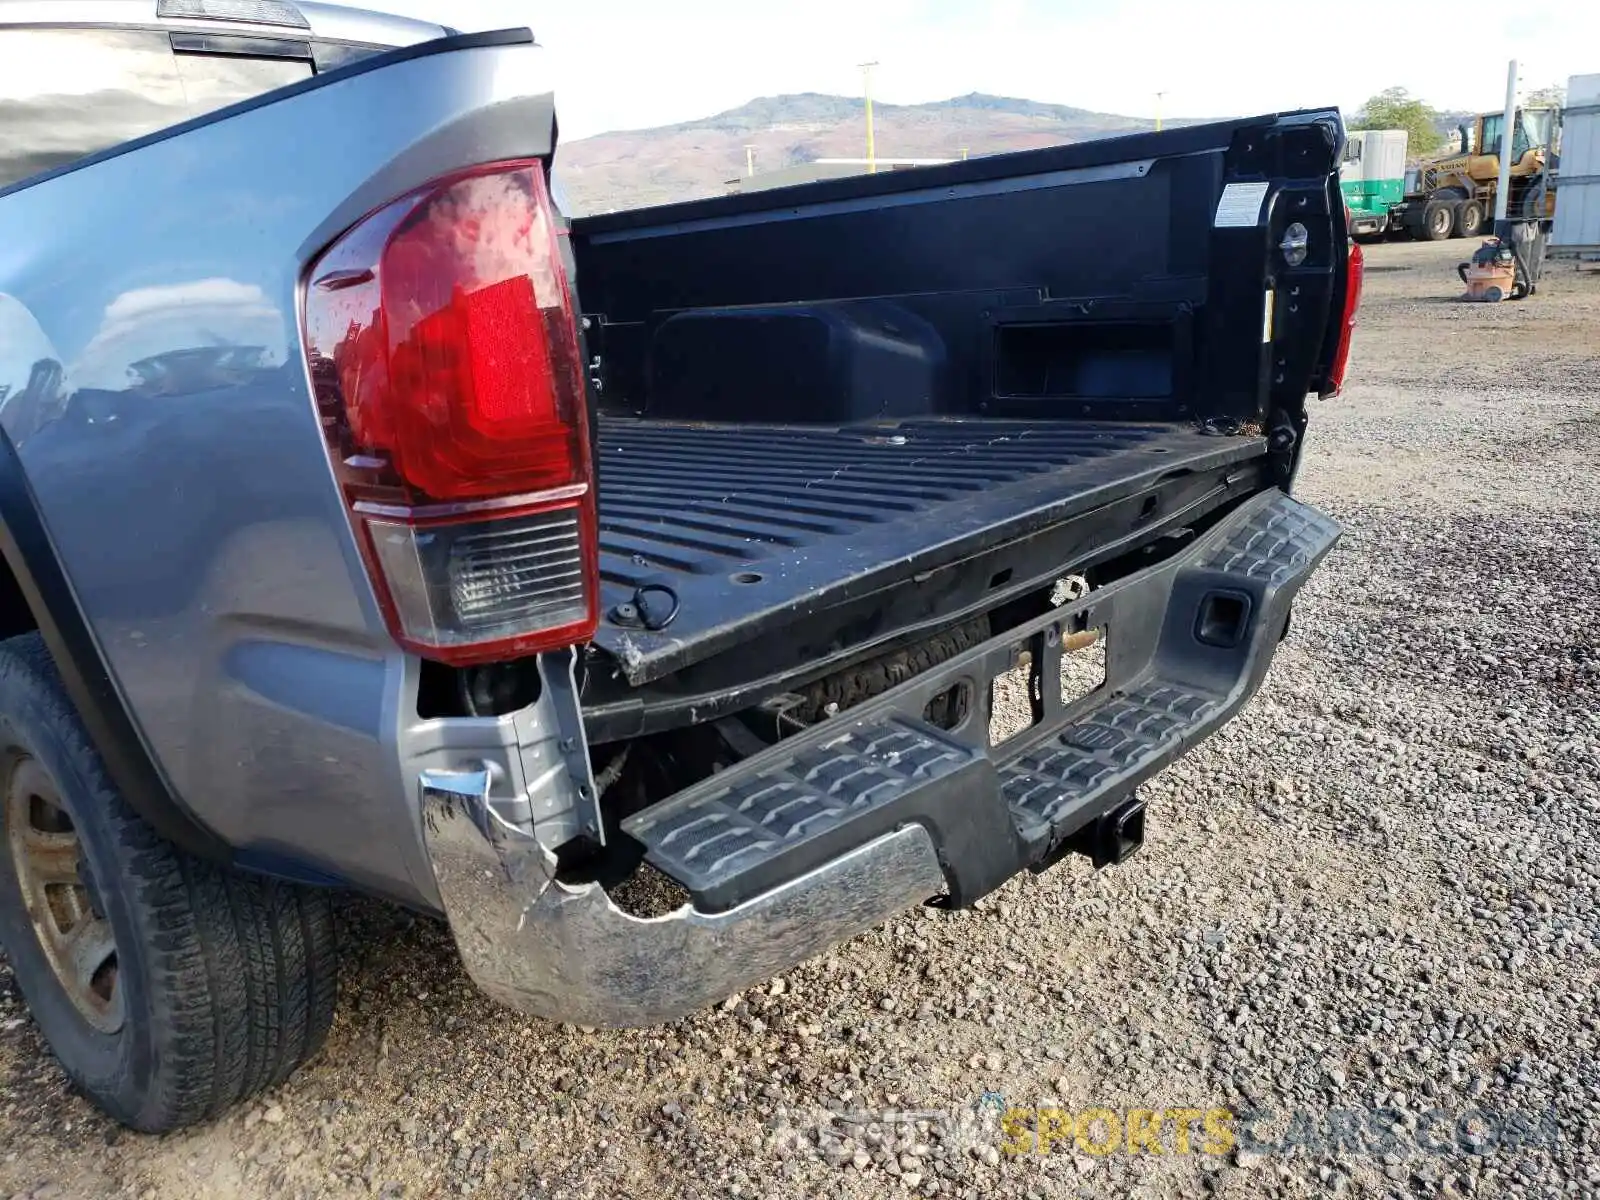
1377 892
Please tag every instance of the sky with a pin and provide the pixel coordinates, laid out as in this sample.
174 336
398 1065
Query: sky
628 64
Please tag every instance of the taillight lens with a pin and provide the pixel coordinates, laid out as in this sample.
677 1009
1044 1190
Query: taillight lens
1355 274
444 355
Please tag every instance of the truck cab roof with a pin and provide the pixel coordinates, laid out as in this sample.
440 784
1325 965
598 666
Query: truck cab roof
80 76
334 22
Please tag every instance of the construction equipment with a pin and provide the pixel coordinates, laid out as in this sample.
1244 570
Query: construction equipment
1453 195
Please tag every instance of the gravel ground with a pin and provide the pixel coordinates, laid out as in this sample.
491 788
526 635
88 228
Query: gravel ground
1376 892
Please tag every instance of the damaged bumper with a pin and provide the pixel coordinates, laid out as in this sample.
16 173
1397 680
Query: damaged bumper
568 953
835 829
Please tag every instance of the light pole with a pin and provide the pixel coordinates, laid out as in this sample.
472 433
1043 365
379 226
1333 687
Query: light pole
866 89
1502 194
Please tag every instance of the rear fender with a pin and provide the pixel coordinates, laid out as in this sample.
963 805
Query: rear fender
171 514
52 609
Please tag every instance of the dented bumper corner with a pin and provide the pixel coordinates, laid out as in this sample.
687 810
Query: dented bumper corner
568 953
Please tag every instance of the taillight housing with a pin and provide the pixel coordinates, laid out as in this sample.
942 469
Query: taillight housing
1355 274
443 349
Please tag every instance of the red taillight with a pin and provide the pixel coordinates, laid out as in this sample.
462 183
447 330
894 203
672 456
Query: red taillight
444 355
1355 273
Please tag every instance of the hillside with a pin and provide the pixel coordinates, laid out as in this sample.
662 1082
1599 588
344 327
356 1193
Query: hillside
631 168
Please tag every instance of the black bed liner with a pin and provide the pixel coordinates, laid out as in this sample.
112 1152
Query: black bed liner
745 523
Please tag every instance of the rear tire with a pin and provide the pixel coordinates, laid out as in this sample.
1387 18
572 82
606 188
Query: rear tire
1438 221
211 984
1469 219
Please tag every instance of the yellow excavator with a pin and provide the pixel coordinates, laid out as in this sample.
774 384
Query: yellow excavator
1452 195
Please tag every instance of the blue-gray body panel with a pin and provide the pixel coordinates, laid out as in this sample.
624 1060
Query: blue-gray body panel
157 397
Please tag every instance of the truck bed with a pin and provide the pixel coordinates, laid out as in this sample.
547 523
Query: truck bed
849 413
751 524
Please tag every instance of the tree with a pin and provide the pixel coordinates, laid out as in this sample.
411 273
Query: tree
1555 94
1396 108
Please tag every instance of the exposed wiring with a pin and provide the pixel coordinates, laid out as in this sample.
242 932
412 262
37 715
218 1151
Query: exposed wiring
612 771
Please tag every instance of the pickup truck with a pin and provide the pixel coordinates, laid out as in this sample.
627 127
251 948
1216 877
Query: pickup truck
657 597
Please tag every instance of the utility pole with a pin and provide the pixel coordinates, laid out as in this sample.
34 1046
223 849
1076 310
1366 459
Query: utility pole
1159 96
749 160
1502 192
866 89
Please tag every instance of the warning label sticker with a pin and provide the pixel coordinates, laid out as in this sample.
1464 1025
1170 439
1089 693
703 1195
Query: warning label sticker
1240 206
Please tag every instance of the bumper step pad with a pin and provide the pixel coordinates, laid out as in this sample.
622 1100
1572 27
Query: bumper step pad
1106 753
1190 641
756 828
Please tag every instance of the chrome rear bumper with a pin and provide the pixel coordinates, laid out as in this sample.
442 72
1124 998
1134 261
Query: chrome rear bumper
568 953
838 827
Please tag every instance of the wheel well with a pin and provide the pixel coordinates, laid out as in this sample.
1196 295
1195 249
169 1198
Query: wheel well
15 614
109 726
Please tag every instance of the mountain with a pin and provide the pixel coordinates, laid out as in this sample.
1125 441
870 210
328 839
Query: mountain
631 168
